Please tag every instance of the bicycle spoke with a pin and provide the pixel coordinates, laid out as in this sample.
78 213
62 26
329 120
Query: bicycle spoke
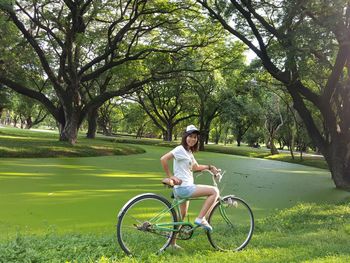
140 228
232 224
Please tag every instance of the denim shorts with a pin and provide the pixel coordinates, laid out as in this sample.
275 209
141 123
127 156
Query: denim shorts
184 191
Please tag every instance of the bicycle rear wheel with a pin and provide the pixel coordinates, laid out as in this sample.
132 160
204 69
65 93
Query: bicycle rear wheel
146 225
233 224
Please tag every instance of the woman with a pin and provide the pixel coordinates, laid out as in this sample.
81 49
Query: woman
184 164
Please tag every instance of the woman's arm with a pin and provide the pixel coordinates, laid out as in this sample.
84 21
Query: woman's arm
164 161
201 167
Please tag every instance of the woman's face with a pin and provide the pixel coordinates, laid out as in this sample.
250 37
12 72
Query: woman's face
191 139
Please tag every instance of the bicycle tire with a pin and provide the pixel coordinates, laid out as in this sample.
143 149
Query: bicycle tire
233 224
137 228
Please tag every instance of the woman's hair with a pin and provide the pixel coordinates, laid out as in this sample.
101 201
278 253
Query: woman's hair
194 148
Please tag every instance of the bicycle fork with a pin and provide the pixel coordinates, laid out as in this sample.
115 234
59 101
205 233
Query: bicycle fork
223 212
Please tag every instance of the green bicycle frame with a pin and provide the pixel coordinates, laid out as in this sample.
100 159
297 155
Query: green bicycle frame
176 205
223 213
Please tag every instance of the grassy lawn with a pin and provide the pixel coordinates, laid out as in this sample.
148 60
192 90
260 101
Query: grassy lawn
25 143
303 233
64 209
309 160
314 161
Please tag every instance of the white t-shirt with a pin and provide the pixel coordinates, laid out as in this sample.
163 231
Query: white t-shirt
183 163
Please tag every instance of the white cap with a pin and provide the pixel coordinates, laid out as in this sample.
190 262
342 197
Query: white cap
191 129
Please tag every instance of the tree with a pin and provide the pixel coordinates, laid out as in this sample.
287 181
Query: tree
136 120
274 120
109 116
206 88
4 100
74 43
305 45
207 81
28 111
240 112
167 104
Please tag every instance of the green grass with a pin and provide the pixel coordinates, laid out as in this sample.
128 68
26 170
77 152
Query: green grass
33 144
64 209
27 143
314 161
243 150
306 232
86 193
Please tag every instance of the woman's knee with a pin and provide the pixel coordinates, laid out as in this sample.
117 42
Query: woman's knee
215 191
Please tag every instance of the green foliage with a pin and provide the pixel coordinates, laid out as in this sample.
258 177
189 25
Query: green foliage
75 63
135 120
167 103
5 101
7 4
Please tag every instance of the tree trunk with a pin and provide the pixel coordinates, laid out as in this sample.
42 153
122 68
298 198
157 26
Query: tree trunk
168 134
273 148
69 132
15 120
291 147
202 139
29 123
338 160
239 139
217 136
293 131
336 152
92 124
1 111
204 134
139 132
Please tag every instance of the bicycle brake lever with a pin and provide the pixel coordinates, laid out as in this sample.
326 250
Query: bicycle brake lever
219 176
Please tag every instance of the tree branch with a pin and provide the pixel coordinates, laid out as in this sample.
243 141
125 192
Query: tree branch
37 49
32 94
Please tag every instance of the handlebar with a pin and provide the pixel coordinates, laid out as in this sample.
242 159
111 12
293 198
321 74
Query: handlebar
215 177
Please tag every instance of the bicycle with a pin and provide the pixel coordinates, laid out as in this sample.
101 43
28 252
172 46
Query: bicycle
148 223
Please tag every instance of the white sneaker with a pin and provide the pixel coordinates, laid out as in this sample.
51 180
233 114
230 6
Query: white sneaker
203 223
175 247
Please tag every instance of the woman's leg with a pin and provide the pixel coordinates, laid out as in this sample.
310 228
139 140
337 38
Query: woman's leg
212 193
183 211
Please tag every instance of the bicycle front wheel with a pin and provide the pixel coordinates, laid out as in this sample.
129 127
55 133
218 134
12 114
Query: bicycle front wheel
233 224
146 225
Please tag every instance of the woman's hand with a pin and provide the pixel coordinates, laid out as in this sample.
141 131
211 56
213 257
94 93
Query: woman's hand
177 181
213 169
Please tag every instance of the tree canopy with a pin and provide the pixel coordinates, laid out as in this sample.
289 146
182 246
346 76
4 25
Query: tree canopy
304 45
64 47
